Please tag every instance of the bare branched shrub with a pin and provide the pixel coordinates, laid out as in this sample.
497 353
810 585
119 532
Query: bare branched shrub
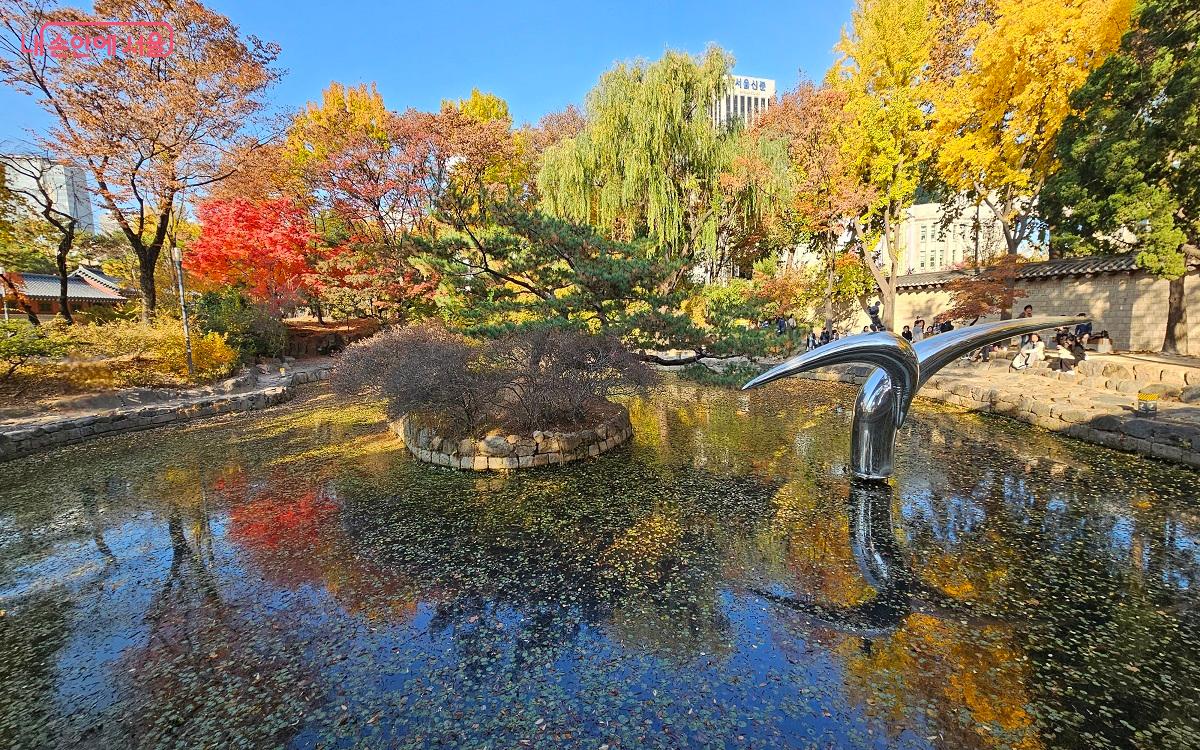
558 376
538 379
423 368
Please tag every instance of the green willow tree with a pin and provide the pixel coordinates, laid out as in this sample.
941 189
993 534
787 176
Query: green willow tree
649 162
1130 175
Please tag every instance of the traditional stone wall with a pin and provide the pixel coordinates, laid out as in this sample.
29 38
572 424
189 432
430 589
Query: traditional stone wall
500 452
26 439
1130 305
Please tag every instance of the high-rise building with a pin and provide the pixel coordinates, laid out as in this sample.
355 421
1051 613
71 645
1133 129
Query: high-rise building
65 184
744 100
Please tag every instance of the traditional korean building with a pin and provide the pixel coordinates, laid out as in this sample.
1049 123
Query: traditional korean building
87 288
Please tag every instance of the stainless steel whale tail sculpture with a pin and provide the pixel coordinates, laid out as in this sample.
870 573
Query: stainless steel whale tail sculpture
901 369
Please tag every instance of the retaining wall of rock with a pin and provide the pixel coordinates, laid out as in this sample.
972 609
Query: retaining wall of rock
28 438
500 452
1110 425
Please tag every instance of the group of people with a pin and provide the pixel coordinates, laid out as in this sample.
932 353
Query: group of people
919 331
781 324
815 339
1071 345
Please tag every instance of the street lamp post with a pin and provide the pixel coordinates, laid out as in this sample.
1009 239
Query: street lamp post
177 257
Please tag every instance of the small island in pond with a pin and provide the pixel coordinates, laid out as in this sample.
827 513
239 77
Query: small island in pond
533 398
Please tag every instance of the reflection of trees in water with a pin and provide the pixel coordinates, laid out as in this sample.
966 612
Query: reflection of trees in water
208 667
912 653
639 554
293 536
1132 677
1093 640
1091 566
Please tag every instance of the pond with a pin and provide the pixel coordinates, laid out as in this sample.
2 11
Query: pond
292 578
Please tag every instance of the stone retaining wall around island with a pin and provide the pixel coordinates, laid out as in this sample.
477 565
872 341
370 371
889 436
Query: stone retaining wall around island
26 439
500 452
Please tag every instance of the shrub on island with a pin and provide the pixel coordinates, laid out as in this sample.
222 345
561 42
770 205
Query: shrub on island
530 398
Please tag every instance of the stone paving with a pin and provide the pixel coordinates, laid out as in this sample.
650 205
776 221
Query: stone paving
116 414
1098 403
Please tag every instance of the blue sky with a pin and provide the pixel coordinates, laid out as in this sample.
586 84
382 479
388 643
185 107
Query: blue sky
540 56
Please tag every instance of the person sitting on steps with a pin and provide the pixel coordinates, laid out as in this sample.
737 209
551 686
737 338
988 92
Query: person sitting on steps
1069 355
1032 351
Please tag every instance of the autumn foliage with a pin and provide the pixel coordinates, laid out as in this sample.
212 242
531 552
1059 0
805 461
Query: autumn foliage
262 246
991 291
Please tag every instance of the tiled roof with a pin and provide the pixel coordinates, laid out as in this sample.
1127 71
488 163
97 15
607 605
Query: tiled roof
45 286
1040 270
96 276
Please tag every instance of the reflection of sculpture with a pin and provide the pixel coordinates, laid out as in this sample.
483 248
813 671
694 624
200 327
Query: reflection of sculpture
883 565
901 369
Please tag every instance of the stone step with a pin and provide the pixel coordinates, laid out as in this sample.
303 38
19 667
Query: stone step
1105 372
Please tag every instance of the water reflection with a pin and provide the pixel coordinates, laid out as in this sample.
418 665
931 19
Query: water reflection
294 578
897 589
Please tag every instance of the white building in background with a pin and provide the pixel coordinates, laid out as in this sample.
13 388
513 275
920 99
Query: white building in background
745 100
66 184
929 242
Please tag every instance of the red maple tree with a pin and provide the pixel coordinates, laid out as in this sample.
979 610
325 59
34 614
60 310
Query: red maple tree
984 292
266 247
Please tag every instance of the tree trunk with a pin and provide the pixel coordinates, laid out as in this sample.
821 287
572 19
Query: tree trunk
892 237
1175 341
829 293
22 303
146 282
889 302
60 259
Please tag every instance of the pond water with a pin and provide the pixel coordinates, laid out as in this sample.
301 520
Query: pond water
292 578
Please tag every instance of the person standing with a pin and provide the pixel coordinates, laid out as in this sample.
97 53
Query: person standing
918 330
1027 312
907 334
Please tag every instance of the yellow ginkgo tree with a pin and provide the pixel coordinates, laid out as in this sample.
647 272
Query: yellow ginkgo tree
882 70
996 123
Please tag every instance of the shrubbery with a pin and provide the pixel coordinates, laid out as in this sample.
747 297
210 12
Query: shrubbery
127 353
248 327
116 354
537 379
23 345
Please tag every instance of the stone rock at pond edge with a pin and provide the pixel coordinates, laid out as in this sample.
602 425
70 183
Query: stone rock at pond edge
506 452
495 445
